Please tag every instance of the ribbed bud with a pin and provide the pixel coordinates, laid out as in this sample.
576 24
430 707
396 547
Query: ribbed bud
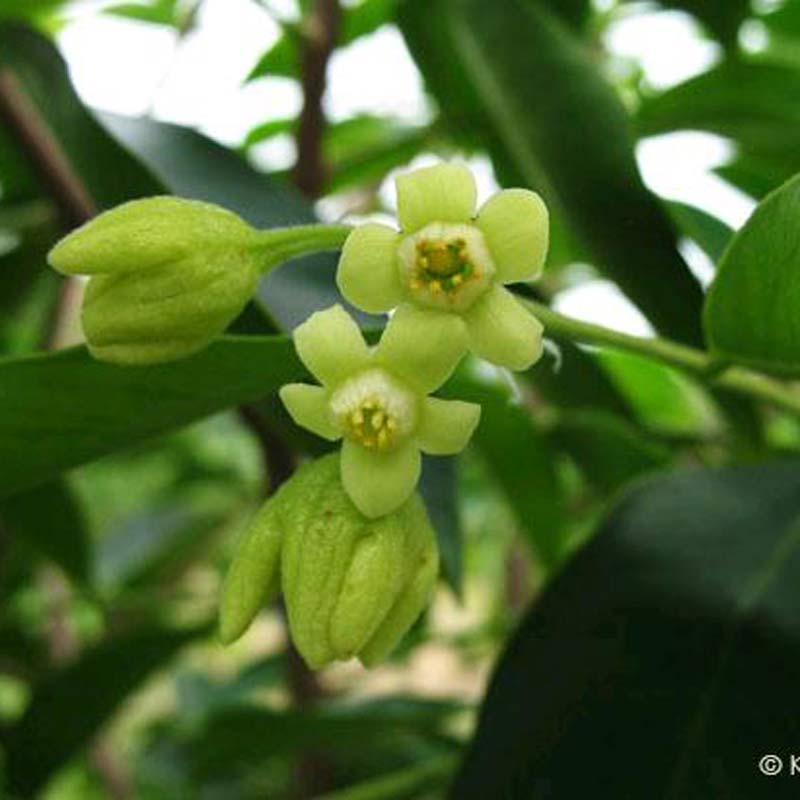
168 275
352 585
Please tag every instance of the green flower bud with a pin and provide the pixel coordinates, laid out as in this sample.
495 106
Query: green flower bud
167 276
352 585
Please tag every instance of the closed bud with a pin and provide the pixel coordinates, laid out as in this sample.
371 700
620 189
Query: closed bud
167 276
352 585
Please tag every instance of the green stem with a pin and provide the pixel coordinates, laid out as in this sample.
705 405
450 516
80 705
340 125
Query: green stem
704 365
277 245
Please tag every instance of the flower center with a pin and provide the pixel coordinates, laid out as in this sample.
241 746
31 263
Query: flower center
446 266
374 410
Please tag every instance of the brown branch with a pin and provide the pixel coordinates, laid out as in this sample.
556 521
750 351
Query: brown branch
73 203
320 32
48 161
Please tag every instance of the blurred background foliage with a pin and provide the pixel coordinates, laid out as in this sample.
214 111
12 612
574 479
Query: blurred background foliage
620 539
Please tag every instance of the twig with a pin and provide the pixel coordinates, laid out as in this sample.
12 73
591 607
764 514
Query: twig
697 362
49 163
320 32
19 115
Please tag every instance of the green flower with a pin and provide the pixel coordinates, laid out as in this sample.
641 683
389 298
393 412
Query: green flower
375 399
453 263
167 276
352 586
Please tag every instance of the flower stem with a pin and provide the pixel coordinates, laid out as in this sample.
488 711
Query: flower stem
704 365
281 244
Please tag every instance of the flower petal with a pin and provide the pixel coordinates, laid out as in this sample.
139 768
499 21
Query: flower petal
446 426
516 225
367 274
330 344
379 482
308 407
421 347
442 193
503 332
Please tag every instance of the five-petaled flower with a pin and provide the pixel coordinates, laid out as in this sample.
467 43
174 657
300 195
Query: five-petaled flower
375 398
450 263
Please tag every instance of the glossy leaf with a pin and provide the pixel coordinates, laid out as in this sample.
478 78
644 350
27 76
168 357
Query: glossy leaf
753 309
662 655
64 409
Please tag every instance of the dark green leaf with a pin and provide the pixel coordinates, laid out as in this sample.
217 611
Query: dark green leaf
69 705
753 309
28 9
251 734
50 521
758 174
429 776
64 409
755 104
174 13
721 17
659 661
282 60
514 69
521 461
575 380
608 450
710 234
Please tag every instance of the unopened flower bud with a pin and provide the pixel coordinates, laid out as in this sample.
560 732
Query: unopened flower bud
167 276
352 585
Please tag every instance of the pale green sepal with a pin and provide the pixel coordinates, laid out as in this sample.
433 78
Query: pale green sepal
370 588
149 233
308 407
379 482
515 224
503 332
368 275
446 426
441 193
422 346
252 576
320 540
330 344
420 569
